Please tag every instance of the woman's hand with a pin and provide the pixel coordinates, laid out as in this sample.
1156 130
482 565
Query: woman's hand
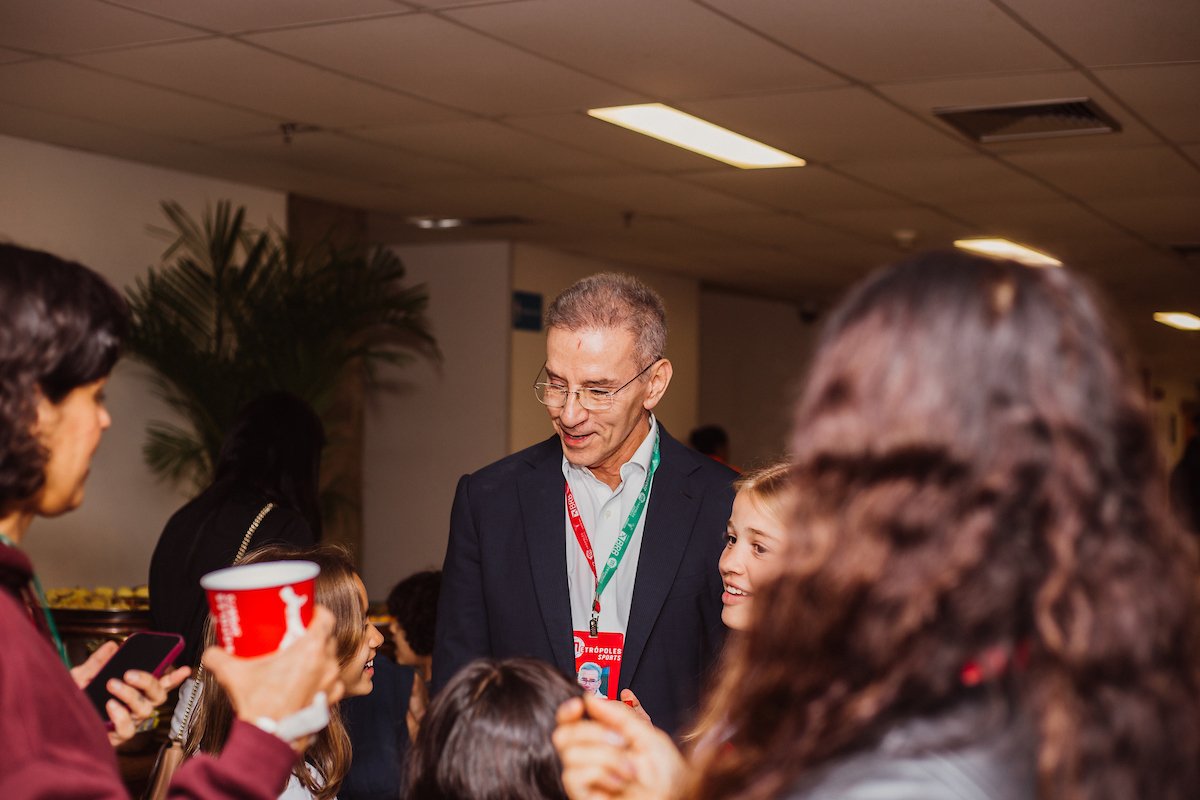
630 699
280 684
137 695
615 753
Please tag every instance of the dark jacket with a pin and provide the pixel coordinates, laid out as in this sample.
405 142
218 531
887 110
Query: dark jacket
52 742
204 536
504 583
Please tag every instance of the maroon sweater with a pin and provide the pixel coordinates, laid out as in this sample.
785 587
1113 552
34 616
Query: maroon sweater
52 742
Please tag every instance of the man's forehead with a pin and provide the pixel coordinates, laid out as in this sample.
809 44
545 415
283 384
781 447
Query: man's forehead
603 353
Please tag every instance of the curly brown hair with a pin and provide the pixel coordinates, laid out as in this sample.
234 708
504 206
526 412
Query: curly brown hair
61 327
975 469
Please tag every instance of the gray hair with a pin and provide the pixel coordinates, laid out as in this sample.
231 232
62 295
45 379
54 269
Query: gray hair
612 300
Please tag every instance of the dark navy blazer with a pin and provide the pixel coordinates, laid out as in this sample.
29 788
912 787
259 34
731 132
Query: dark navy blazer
504 586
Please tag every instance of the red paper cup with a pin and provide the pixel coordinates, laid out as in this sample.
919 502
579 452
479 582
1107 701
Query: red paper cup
261 608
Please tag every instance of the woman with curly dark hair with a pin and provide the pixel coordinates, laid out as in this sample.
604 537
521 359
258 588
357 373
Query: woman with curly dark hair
984 593
61 327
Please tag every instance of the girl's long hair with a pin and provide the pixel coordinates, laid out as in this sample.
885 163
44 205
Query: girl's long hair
337 590
975 470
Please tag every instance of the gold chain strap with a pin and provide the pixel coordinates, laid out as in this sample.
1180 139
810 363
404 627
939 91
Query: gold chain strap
187 713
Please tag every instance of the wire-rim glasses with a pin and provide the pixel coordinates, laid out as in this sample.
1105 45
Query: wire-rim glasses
554 395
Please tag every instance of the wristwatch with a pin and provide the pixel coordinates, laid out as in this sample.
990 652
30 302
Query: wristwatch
302 723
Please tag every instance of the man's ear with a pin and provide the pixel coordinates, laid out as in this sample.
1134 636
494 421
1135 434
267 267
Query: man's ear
660 379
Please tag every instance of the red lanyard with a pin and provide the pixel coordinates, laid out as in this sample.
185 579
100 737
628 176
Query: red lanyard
619 546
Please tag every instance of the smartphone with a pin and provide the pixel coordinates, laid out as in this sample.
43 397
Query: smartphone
148 651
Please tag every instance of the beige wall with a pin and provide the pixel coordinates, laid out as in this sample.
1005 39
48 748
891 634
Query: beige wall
95 209
548 272
442 420
753 352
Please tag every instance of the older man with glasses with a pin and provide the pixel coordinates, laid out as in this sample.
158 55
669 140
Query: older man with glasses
601 543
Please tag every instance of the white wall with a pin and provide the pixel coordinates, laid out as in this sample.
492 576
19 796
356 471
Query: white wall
444 420
548 272
95 209
752 354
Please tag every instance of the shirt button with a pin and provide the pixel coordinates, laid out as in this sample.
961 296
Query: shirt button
608 514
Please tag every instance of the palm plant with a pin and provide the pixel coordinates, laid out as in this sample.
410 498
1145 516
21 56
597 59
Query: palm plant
233 312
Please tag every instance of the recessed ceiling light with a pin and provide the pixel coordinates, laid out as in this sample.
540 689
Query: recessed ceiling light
435 223
692 133
1003 248
1178 319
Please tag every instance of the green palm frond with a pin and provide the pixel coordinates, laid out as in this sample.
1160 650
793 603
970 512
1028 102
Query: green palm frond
233 312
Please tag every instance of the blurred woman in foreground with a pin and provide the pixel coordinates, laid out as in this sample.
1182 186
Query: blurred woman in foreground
983 593
60 334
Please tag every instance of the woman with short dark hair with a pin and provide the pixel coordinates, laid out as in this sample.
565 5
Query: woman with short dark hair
61 327
487 735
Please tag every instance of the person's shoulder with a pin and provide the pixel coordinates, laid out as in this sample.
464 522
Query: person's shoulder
517 463
696 465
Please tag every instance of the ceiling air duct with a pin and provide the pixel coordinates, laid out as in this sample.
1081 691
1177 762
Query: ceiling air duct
1040 119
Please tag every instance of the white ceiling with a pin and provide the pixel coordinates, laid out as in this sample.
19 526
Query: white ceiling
459 108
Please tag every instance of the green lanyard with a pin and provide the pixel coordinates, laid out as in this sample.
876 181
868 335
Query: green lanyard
41 598
619 546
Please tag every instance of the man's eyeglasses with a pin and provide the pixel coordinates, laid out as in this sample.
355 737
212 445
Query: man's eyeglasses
555 395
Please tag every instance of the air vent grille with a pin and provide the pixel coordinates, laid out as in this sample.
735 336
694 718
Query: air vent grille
1042 119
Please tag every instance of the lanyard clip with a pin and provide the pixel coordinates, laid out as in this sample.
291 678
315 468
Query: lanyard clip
594 626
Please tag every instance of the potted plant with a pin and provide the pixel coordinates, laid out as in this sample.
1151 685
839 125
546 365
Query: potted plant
234 312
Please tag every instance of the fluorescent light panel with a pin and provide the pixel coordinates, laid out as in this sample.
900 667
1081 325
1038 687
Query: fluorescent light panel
692 133
1178 319
1004 248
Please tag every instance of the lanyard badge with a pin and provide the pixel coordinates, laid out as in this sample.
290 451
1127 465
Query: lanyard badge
619 546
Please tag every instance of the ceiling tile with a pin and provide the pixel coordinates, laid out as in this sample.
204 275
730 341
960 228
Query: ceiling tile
829 125
494 197
653 194
55 27
612 141
807 190
808 243
1036 223
876 40
10 56
441 61
923 97
667 49
228 16
55 86
239 74
323 151
491 147
1125 172
1168 97
1164 219
948 181
1099 32
881 225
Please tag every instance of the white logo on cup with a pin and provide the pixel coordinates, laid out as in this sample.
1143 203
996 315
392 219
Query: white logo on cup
292 604
228 619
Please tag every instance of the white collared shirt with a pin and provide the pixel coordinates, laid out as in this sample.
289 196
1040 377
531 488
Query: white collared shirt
604 511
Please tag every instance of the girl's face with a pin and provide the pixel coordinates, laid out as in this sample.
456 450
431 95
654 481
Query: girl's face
70 431
753 540
359 672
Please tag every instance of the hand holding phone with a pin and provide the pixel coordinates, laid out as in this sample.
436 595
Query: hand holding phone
146 652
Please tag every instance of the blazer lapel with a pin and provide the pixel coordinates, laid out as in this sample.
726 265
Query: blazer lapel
670 517
541 497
